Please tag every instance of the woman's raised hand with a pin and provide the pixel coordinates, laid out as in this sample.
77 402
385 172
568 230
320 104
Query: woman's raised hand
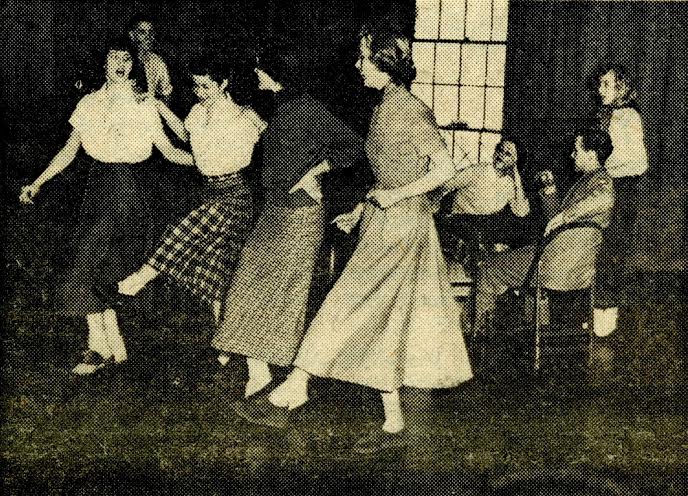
28 193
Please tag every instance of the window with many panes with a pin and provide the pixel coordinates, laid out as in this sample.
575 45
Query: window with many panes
460 55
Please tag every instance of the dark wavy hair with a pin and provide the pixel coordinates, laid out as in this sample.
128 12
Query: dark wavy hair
138 74
597 140
242 82
138 18
390 52
283 64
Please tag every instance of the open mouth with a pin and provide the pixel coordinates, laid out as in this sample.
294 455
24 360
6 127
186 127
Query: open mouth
120 72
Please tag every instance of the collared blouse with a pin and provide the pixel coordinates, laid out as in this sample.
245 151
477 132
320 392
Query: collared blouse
119 129
223 139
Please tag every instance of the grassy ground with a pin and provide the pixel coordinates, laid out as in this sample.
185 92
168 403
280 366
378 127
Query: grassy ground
162 424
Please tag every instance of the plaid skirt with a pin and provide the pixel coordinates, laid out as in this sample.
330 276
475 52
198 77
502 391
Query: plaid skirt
201 252
265 311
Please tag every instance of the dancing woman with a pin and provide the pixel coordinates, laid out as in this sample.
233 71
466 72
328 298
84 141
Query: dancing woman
390 320
200 253
265 312
628 162
117 128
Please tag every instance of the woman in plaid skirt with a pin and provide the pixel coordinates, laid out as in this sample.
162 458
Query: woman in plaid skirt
200 252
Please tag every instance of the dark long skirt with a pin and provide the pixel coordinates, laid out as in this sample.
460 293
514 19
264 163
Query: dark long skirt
113 232
201 252
265 312
616 245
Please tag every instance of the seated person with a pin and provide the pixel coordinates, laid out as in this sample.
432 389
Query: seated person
567 262
484 189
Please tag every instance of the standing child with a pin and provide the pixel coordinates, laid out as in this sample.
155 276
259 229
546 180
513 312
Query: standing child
628 162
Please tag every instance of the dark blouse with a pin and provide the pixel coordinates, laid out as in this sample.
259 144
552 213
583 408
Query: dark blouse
301 134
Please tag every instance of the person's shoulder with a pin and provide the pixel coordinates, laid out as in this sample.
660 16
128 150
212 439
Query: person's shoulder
626 116
410 105
92 98
253 117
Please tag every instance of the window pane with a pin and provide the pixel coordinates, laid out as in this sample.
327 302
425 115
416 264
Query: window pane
488 143
423 58
447 63
446 104
478 20
469 142
427 19
500 19
424 92
473 61
452 19
472 106
496 63
494 103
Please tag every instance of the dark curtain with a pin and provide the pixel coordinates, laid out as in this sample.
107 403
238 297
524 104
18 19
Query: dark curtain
554 48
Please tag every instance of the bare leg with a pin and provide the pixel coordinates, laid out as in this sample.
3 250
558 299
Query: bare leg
394 417
135 282
97 341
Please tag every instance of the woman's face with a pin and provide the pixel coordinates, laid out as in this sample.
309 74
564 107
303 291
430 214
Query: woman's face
118 65
372 76
207 89
607 88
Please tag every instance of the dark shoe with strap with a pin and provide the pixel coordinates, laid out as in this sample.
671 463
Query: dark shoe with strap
109 295
91 362
260 411
379 440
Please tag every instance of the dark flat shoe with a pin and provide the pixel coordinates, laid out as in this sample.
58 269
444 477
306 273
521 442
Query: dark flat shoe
92 362
260 411
379 440
109 295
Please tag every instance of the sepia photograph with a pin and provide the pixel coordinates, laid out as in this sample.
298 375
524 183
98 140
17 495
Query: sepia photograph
313 247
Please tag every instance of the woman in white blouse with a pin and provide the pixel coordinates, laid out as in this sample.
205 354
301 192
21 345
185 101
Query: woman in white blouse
628 162
200 253
117 127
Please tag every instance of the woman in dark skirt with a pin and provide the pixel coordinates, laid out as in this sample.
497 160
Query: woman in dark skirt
266 305
117 128
200 252
628 162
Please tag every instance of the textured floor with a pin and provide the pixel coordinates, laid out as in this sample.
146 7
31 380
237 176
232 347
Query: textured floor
161 423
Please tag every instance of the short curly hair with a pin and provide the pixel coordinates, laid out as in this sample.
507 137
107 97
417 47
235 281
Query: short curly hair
242 82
